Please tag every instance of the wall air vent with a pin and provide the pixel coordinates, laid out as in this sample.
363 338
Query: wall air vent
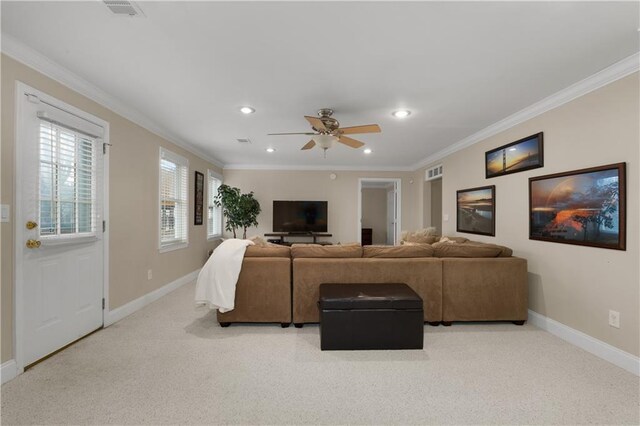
124 8
244 140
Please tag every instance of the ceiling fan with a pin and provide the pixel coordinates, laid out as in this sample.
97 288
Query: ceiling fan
327 130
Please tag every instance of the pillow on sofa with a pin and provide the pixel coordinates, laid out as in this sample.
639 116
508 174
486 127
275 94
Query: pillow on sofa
453 240
273 250
403 251
504 251
329 251
448 249
424 236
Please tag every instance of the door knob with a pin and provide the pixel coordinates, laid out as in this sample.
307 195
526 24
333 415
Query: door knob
33 243
31 225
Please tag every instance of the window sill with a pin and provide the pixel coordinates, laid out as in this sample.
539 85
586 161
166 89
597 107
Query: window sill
173 247
214 237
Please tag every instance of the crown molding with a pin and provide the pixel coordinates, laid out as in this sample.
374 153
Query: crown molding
606 76
327 168
34 59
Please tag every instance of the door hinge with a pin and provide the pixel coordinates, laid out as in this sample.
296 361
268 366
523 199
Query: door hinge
104 226
104 147
103 303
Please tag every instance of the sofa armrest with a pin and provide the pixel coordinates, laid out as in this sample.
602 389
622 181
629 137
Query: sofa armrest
263 292
488 289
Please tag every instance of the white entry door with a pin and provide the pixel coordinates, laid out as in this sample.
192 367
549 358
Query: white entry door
59 229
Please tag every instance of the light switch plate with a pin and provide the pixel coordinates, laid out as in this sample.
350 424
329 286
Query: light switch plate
445 217
5 213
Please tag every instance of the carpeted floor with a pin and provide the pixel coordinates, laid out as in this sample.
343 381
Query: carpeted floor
172 363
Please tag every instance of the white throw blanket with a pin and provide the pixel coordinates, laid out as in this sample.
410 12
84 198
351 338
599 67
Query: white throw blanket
216 285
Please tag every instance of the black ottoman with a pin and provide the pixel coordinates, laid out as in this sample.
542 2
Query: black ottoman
370 316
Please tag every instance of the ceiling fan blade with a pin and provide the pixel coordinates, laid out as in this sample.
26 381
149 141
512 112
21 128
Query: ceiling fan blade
350 142
305 133
368 128
316 123
309 145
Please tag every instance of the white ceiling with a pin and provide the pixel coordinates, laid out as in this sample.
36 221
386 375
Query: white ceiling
459 67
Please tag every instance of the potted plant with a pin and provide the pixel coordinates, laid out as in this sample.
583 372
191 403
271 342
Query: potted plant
240 210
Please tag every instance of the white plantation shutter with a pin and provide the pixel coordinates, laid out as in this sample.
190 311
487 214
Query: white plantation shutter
69 166
174 194
214 214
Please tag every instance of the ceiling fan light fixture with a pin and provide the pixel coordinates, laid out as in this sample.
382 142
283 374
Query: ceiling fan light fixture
270 150
324 141
247 110
401 113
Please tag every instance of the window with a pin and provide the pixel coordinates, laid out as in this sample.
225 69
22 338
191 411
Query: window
174 171
214 214
67 183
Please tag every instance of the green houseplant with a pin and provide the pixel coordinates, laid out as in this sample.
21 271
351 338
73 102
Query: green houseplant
240 210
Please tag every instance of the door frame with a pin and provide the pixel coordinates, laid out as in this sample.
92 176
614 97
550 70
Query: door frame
398 189
21 90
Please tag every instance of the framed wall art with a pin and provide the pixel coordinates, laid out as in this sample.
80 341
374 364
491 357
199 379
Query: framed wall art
476 208
518 156
199 199
584 207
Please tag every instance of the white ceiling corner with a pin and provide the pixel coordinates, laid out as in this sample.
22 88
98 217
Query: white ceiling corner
600 79
30 57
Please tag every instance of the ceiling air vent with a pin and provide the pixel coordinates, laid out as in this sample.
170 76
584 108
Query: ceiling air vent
124 8
244 140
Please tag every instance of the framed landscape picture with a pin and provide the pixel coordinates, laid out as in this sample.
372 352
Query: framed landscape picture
476 210
199 199
585 207
518 156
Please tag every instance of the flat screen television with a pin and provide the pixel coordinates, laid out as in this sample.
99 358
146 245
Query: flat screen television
299 216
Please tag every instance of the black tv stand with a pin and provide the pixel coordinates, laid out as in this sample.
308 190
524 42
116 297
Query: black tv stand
314 235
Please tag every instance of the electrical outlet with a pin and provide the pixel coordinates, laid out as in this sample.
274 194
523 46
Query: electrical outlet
614 319
149 274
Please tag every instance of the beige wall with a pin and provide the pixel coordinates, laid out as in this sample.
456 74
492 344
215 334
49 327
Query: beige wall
341 194
574 285
374 213
133 192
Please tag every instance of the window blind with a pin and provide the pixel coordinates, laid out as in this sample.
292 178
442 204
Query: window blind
174 171
214 214
68 173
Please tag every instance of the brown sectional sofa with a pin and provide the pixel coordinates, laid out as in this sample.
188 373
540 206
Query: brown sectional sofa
460 281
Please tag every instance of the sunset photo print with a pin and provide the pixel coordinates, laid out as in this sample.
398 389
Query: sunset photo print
585 207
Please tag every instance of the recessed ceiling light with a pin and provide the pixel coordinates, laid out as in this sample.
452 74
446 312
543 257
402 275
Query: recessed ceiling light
247 110
402 113
271 150
367 151
512 149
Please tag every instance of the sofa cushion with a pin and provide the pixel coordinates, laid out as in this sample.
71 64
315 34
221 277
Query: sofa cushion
268 251
448 249
329 251
408 250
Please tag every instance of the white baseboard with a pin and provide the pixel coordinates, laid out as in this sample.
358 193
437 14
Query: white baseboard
9 370
590 344
125 310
